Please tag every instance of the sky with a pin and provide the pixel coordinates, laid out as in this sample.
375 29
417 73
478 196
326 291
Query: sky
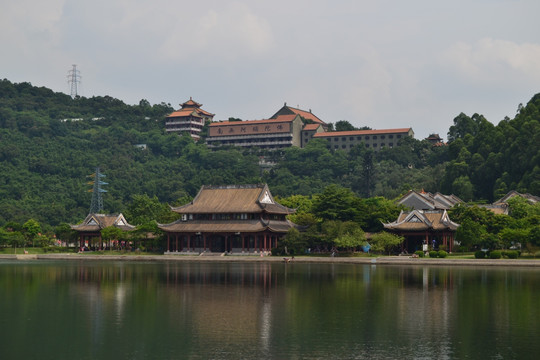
377 63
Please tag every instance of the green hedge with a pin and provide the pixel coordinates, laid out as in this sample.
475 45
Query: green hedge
511 254
479 254
442 254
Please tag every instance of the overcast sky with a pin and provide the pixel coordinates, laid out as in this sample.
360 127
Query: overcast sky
377 63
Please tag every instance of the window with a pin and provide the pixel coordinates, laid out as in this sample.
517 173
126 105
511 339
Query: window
374 145
391 144
344 146
344 138
382 144
374 137
336 146
399 136
358 138
382 136
366 138
351 138
367 145
336 139
390 136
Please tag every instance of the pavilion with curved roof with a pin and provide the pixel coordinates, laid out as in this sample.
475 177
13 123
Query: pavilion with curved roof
227 219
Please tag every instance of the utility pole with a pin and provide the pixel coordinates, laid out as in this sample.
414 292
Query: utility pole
74 78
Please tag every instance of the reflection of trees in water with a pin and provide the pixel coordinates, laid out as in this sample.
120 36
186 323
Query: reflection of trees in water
271 309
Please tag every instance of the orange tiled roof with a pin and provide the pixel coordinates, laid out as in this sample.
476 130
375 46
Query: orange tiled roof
311 127
184 112
308 115
191 103
205 112
362 132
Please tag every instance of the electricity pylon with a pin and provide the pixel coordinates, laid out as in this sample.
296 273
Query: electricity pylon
96 206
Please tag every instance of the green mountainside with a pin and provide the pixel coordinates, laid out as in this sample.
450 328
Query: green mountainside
50 143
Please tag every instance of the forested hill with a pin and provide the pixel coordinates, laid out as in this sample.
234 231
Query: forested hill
45 159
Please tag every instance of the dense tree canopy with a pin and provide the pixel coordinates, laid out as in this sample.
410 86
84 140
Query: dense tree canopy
50 143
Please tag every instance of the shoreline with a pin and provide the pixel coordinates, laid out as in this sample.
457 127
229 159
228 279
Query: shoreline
390 260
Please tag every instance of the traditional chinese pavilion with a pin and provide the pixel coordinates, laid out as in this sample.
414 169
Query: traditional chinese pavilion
232 218
190 119
422 227
90 229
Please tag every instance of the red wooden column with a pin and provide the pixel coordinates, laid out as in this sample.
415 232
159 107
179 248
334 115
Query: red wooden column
265 242
168 242
204 241
242 242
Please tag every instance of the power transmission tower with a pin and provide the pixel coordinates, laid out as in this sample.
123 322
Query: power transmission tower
74 78
96 206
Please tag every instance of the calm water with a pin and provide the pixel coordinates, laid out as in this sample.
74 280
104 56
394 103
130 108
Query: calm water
121 310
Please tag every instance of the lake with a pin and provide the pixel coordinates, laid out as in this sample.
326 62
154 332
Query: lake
209 310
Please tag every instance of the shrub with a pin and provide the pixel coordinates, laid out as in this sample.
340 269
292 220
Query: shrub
432 254
420 253
442 254
479 254
512 254
495 254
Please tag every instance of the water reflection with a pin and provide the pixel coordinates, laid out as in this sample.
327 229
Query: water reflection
175 310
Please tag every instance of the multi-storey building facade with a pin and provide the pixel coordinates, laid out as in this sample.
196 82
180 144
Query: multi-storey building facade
295 127
189 119
283 131
374 139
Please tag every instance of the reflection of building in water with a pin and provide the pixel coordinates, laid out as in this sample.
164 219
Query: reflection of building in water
226 304
424 300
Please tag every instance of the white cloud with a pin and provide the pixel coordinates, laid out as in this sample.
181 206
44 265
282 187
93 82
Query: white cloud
27 25
229 33
488 60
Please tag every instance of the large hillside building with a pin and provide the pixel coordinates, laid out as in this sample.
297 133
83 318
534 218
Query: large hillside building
281 132
190 119
374 139
291 126
231 219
